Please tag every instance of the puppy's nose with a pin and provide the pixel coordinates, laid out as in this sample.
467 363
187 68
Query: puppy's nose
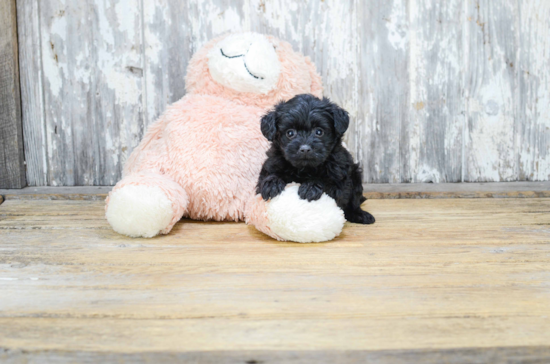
305 149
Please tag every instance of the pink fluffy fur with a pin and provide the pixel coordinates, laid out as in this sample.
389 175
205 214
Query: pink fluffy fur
206 151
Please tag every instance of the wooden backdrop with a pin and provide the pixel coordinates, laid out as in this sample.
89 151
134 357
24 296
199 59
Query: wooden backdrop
439 91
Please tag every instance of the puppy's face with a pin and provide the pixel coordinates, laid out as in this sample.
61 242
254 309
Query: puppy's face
305 129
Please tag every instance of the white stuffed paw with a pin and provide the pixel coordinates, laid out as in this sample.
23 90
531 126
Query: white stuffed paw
139 211
301 221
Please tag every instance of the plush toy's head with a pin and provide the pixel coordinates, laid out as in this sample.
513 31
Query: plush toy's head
253 69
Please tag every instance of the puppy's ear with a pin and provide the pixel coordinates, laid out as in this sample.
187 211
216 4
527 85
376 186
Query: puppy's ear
341 119
269 125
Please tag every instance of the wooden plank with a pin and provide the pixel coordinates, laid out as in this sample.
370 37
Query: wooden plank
12 159
91 57
490 152
533 68
238 336
458 190
118 82
32 97
167 51
383 110
535 355
63 100
432 279
58 193
396 66
371 191
435 128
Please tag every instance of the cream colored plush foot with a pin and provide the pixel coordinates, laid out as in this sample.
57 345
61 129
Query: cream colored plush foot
139 211
301 221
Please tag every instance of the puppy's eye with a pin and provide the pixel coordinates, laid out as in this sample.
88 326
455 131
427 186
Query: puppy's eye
319 132
291 133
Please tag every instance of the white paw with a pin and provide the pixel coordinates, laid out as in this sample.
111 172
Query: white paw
139 211
301 221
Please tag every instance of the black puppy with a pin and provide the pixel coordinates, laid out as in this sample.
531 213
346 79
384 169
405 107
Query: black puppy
306 135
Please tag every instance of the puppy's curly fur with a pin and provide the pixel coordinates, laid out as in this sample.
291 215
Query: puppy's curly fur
306 135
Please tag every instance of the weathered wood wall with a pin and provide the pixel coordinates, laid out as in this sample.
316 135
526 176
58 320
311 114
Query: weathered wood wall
439 91
12 167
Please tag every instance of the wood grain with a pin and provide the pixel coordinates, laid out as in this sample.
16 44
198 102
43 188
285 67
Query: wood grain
491 83
438 92
167 51
32 96
435 127
530 354
97 193
371 191
533 135
383 110
91 61
431 276
12 159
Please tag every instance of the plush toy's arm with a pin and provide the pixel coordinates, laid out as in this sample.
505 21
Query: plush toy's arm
256 214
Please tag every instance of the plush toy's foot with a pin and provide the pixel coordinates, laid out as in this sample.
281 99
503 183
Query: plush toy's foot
145 205
288 217
139 211
301 221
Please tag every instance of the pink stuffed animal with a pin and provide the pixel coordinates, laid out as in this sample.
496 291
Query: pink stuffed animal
201 159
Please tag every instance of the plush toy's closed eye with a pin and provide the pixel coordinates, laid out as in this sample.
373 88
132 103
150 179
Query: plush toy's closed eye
245 62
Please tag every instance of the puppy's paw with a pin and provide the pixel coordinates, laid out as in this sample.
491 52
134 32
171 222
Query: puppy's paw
360 217
310 191
272 187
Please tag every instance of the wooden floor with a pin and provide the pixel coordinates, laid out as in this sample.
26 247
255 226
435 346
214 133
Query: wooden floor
446 280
